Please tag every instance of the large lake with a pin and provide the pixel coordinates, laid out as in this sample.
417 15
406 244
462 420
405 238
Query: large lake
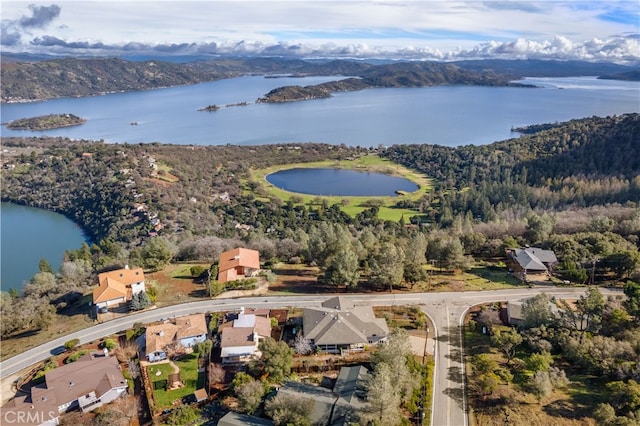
444 115
339 182
28 235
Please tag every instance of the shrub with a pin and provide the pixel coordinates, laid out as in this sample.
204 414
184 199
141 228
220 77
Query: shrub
197 270
70 344
76 356
109 344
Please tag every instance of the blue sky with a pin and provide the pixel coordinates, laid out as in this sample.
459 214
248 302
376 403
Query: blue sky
446 30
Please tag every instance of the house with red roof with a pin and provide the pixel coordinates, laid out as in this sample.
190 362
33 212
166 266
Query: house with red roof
117 287
238 264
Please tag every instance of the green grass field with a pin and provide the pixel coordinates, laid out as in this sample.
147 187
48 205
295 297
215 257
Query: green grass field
188 373
350 205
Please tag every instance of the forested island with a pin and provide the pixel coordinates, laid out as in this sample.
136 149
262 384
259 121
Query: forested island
46 122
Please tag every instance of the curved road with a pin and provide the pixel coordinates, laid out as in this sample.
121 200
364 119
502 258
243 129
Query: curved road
446 311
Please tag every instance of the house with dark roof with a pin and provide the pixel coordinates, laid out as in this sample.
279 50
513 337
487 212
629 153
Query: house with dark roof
86 384
237 419
338 326
184 331
531 261
238 264
240 337
337 406
117 287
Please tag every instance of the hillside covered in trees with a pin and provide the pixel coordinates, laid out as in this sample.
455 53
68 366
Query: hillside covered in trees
71 77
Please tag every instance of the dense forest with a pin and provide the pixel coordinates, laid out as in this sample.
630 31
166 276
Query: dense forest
572 187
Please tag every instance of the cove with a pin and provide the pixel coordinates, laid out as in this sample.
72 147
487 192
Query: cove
339 182
30 234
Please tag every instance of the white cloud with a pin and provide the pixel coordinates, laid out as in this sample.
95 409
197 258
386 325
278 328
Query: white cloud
405 29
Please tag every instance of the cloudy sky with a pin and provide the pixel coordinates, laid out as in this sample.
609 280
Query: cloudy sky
444 30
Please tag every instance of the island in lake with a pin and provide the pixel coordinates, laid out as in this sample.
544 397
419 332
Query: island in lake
46 122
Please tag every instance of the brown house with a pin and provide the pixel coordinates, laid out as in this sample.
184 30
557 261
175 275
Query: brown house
117 287
185 331
237 264
85 384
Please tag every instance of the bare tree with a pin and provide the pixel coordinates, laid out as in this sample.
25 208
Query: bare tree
302 345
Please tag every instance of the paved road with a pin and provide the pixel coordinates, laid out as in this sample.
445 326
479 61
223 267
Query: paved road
446 311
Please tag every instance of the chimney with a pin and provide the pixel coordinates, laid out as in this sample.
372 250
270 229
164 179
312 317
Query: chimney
161 333
126 266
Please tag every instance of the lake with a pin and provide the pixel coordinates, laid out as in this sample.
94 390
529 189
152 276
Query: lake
340 182
28 235
444 115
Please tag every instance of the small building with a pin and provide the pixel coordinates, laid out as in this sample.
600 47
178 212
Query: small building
184 331
116 288
86 384
339 326
237 264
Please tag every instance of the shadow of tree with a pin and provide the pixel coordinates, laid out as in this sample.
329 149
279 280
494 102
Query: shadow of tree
563 408
457 394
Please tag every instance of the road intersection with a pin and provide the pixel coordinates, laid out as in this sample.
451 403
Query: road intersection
446 311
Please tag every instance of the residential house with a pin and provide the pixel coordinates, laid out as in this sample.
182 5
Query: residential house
87 384
240 337
515 314
117 287
531 261
337 406
339 326
237 419
183 331
237 264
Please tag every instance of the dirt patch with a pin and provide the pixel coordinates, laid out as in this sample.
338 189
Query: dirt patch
173 289
297 279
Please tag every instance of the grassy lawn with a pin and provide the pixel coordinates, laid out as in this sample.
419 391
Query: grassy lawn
189 374
350 205
479 277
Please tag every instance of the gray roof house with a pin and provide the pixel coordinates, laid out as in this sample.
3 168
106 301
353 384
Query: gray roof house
337 406
86 384
237 419
339 326
531 260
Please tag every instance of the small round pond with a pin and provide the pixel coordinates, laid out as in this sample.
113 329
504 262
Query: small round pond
339 182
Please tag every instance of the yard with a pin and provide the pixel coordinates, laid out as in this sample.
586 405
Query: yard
159 375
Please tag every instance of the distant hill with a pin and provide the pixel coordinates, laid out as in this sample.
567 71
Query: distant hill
87 77
28 78
633 75
543 68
